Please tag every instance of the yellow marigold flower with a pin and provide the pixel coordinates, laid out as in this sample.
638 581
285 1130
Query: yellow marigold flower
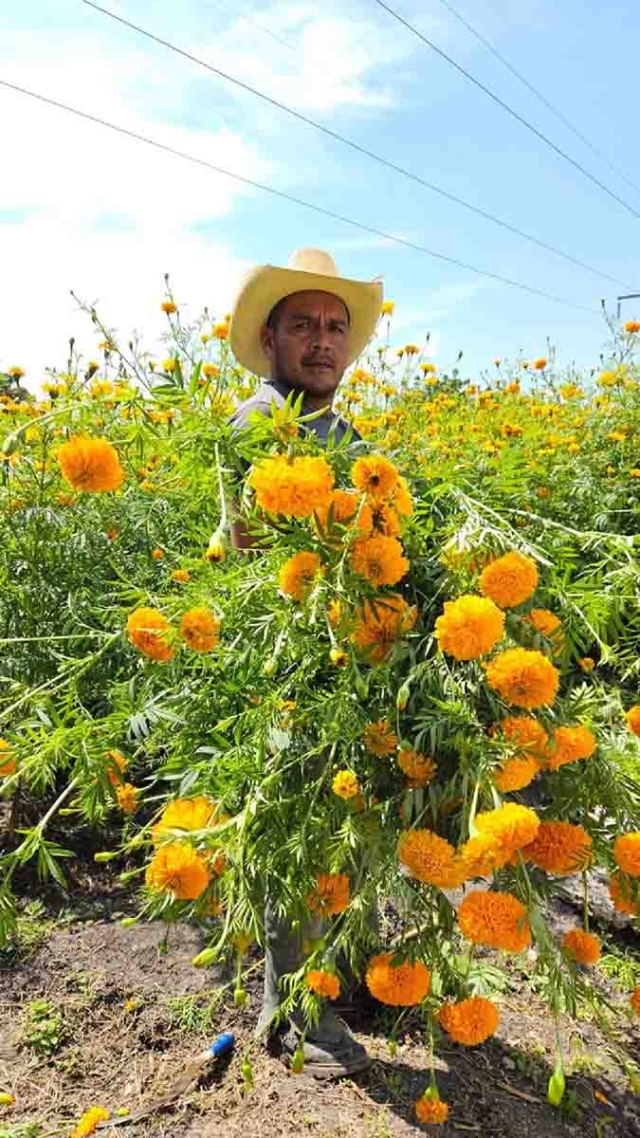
298 574
181 575
509 580
331 895
169 307
431 1109
323 983
127 796
587 663
634 472
200 629
16 372
632 326
621 894
634 998
294 487
221 330
216 550
90 464
89 1121
540 364
626 852
379 739
388 307
511 826
470 1021
339 657
568 745
560 848
632 717
608 379
400 985
379 559
523 678
170 365
419 769
6 1099
7 762
516 773
148 630
180 870
428 368
498 920
346 785
430 858
186 814
157 554
375 475
469 627
384 520
210 371
481 856
382 621
581 946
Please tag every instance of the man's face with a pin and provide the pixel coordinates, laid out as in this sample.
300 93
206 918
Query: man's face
309 348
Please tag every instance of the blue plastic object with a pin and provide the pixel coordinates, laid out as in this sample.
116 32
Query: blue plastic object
222 1044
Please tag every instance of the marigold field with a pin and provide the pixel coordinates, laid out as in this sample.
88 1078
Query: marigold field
422 691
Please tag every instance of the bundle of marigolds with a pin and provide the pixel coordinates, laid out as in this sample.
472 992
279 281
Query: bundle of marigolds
396 698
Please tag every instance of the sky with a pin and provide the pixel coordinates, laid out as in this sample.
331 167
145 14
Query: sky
87 210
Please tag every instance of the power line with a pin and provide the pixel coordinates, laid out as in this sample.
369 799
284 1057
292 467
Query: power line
357 147
506 107
298 201
538 94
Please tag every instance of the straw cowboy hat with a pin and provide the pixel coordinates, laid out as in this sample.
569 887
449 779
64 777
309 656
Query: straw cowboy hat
265 285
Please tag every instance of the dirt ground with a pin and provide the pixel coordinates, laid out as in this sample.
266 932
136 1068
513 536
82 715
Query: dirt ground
129 1018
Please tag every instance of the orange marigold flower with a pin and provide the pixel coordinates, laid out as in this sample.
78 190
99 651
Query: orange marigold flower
298 574
401 499
481 856
516 773
384 519
581 946
498 920
379 739
626 852
587 663
331 895
526 735
344 505
181 575
375 475
522 677
180 870
90 464
200 629
560 848
186 814
89 1121
550 625
469 627
431 1110
379 559
470 1021
632 717
634 998
127 796
511 826
294 487
540 364
157 554
401 985
430 858
621 893
221 330
382 621
419 769
148 630
346 785
323 983
568 745
116 766
7 762
169 307
632 326
509 580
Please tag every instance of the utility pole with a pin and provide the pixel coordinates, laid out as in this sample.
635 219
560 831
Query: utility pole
629 296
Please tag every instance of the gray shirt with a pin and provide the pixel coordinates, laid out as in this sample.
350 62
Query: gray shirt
276 390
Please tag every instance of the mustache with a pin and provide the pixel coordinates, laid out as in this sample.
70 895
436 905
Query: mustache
311 361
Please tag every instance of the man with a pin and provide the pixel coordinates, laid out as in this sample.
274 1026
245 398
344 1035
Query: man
300 328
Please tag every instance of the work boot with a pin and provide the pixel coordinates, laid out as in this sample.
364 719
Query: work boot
329 1049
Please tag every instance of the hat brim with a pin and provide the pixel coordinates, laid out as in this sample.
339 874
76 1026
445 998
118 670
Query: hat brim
266 285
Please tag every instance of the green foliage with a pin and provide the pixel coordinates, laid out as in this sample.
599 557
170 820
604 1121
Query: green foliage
43 1030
